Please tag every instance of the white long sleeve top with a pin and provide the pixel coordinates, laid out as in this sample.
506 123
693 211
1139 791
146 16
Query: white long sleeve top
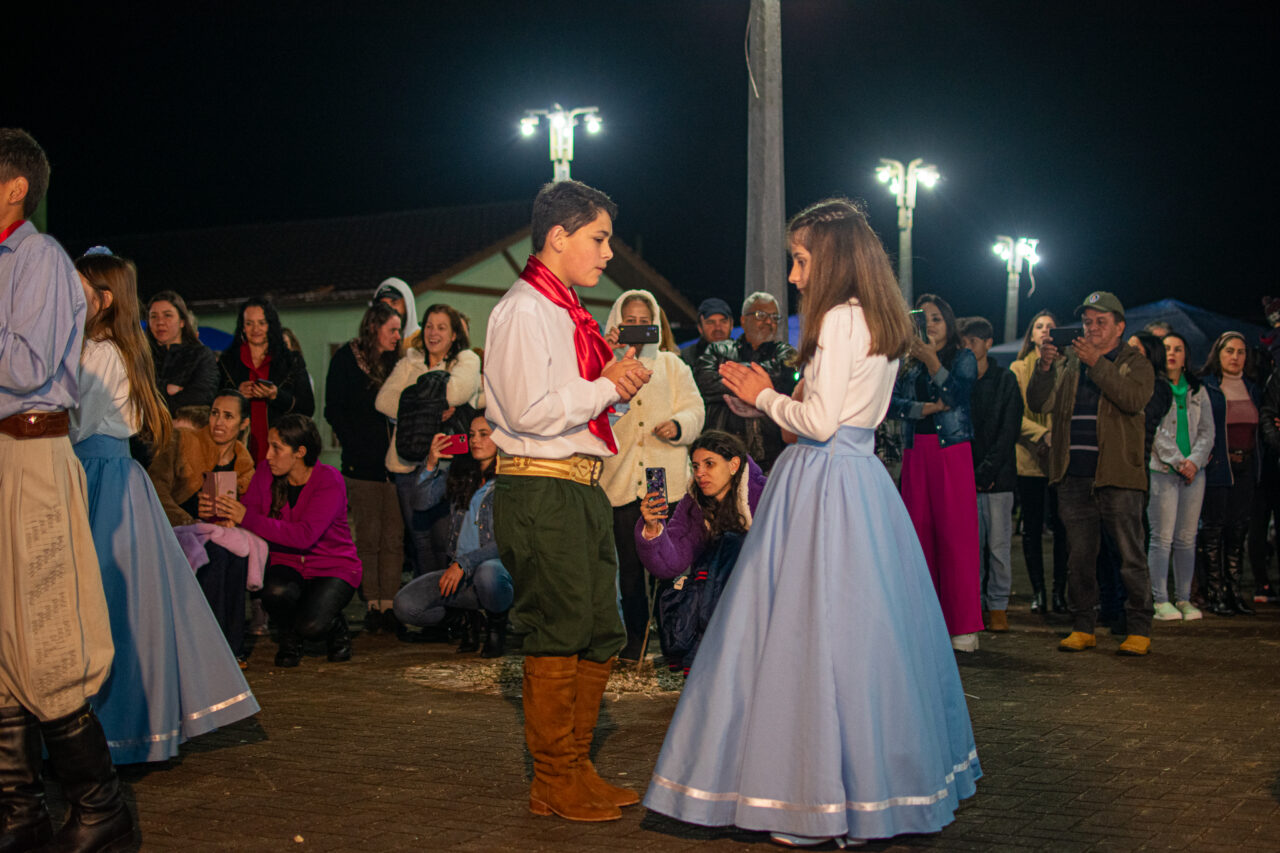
105 408
463 387
844 384
538 403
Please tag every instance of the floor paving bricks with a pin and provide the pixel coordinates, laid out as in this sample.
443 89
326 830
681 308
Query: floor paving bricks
1093 752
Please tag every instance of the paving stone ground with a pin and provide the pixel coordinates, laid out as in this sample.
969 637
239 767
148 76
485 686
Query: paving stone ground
1087 752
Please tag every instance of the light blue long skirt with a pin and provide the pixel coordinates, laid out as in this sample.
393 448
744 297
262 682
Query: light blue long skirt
174 676
825 699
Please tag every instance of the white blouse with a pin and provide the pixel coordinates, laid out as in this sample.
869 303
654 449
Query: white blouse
844 385
104 407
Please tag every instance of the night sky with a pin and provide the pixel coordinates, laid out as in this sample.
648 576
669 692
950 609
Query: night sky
1130 137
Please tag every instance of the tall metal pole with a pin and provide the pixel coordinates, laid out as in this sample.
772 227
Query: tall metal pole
905 216
766 266
1011 305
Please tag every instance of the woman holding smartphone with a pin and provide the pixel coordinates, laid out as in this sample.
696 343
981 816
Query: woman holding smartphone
825 704
932 399
652 432
271 377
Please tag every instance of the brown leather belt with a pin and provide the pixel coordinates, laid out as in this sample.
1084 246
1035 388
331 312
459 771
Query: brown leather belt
36 425
578 468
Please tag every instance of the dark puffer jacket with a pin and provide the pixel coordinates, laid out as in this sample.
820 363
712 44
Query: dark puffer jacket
761 435
191 367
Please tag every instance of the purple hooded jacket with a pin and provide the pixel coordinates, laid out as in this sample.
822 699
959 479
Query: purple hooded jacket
684 536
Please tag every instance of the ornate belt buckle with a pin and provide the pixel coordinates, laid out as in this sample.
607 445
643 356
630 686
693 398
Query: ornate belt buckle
31 426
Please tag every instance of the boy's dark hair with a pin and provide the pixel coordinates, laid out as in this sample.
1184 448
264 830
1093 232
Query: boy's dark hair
977 327
22 157
569 204
198 415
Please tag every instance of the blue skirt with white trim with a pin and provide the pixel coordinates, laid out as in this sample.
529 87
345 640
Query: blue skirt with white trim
173 676
825 699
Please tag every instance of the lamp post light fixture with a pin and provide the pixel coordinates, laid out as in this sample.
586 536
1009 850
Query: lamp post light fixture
902 184
562 122
1014 253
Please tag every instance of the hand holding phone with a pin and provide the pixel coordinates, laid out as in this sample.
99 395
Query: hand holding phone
1063 336
921 322
216 483
454 445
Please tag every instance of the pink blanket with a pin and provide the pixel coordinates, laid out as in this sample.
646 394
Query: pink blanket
242 543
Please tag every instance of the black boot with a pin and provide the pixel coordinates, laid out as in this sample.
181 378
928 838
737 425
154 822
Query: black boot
1216 593
495 637
26 821
290 652
472 629
98 821
339 640
1037 601
1233 565
1059 602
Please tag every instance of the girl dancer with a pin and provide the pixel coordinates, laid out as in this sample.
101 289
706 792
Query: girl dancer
825 702
174 677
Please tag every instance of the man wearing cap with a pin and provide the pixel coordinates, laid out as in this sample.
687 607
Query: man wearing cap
760 318
1096 392
715 322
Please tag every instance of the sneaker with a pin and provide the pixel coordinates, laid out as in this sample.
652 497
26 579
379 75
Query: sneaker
1264 595
1189 611
1166 612
965 642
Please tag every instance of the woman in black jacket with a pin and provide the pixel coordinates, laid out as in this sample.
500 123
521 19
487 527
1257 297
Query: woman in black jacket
186 371
271 376
356 372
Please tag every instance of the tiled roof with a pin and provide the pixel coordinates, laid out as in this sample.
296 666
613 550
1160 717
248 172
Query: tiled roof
344 259
314 260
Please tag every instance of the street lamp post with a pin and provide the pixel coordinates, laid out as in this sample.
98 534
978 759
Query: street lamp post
1014 252
562 122
902 183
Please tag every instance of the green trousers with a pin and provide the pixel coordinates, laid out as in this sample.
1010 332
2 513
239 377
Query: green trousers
556 539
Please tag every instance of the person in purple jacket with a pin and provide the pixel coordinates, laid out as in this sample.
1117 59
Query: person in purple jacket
300 508
704 533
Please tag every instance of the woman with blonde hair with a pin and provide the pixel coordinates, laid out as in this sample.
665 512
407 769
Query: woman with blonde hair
824 703
174 676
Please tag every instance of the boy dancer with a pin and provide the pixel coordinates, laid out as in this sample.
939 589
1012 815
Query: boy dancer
55 638
550 379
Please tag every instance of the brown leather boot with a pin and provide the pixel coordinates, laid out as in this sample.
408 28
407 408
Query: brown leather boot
592 679
559 787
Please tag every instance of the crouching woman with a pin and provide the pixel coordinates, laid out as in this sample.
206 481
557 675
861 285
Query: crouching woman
703 535
300 508
475 581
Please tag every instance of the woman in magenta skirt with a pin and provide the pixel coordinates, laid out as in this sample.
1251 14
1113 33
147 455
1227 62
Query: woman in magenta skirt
931 397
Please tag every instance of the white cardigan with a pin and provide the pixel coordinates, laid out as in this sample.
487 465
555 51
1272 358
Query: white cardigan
463 387
670 395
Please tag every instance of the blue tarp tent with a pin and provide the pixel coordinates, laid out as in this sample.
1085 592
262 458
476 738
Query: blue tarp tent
1199 327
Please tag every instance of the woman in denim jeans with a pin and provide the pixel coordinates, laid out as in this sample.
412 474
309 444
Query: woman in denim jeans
932 399
1179 453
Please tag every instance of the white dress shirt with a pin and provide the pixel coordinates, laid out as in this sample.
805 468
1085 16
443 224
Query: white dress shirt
537 401
105 408
843 384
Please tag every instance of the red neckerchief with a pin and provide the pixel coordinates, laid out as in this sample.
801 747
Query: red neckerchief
592 350
4 235
258 426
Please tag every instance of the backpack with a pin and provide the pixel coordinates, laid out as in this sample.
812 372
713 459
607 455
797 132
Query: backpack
418 415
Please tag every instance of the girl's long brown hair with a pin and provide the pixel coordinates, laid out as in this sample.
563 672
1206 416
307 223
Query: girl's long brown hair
1027 345
847 262
121 323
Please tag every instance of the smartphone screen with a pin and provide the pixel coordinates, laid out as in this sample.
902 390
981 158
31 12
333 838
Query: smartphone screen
637 335
655 480
922 323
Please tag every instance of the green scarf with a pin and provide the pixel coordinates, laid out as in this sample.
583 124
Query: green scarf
1180 403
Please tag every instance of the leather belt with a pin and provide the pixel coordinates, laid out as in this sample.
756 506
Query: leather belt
36 425
1239 455
578 468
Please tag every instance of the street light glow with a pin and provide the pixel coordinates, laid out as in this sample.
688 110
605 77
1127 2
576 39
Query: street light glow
561 123
883 174
928 176
1015 253
902 181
